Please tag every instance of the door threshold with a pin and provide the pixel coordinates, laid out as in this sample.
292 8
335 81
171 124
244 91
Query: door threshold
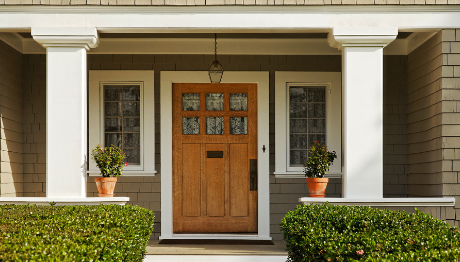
226 242
196 237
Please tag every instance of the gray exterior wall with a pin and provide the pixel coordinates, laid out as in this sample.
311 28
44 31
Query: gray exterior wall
11 119
34 104
424 114
450 97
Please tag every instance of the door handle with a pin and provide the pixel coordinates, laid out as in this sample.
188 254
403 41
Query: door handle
253 174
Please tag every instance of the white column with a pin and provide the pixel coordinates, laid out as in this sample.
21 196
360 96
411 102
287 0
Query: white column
362 108
66 108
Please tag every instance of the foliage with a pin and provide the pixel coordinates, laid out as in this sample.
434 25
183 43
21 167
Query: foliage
350 233
319 160
74 233
109 160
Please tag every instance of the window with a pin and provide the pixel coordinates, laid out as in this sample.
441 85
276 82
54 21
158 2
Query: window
121 110
307 120
307 109
122 114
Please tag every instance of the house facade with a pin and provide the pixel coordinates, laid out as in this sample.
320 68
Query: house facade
378 82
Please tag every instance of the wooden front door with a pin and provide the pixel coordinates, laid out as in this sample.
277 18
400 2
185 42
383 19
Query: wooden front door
214 158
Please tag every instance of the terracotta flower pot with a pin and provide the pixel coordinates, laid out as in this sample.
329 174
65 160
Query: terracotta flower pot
105 186
317 186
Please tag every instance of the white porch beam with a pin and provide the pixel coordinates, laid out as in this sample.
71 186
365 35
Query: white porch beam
362 108
249 19
66 104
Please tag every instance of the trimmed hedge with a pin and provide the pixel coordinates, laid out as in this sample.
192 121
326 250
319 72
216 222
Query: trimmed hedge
74 233
351 233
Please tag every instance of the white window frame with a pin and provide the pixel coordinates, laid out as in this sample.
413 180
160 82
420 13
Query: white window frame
144 78
332 82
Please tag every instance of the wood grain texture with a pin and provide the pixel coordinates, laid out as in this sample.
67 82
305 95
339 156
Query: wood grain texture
239 180
225 202
215 182
191 180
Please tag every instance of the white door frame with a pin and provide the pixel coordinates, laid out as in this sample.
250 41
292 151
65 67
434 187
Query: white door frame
167 78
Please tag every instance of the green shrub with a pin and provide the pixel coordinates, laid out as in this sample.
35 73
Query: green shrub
350 233
74 233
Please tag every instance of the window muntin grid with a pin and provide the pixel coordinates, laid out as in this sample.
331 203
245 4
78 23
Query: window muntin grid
307 121
122 119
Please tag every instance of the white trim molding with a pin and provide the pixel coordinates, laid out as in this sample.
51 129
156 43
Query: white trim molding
262 79
362 36
66 37
145 78
61 201
387 202
332 81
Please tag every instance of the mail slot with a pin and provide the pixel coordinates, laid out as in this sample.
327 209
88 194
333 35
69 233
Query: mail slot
215 154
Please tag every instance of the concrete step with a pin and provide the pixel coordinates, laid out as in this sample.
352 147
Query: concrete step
213 258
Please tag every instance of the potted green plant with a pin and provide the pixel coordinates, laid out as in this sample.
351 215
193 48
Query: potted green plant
316 167
109 160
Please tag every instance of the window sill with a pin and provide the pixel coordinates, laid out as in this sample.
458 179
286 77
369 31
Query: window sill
125 173
294 174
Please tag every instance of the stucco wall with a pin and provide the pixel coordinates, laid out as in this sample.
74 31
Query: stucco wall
11 118
145 191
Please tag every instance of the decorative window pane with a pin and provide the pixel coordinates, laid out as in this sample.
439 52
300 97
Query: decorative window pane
132 124
238 102
215 102
112 109
298 157
190 125
307 121
114 139
316 94
238 125
122 119
191 102
113 124
214 125
112 93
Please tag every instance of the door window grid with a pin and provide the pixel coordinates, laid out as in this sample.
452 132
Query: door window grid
307 121
122 113
215 125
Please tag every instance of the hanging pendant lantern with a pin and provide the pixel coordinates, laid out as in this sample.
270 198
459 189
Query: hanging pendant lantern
216 70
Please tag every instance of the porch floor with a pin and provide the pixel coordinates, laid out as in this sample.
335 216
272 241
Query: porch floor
278 249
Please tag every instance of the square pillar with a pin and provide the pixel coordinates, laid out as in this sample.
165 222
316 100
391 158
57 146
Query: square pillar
362 108
66 108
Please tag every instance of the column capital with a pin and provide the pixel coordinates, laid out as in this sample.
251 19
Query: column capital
84 37
361 36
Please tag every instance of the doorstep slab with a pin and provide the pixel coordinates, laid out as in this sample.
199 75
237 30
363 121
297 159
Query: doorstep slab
213 258
277 249
64 201
388 202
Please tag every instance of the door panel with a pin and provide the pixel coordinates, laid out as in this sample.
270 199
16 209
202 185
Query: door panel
215 181
214 138
191 180
239 180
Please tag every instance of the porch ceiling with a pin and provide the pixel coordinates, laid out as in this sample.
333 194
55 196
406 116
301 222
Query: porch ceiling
314 43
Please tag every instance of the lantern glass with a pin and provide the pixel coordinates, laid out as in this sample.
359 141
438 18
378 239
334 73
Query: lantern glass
215 72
